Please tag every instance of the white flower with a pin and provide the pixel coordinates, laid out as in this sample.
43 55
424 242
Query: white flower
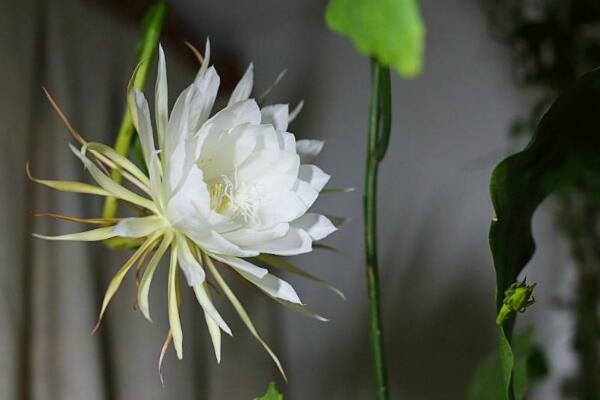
224 188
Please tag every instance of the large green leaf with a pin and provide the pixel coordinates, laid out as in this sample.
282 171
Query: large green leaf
272 393
563 154
390 31
529 365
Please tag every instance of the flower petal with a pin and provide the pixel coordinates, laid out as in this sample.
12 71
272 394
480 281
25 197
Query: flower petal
177 127
244 87
242 312
119 160
173 301
242 265
108 184
276 115
206 60
115 282
305 192
203 297
87 236
282 263
314 176
249 236
203 100
296 241
69 186
161 98
138 227
308 149
215 335
209 240
193 271
272 286
143 125
296 111
318 226
144 289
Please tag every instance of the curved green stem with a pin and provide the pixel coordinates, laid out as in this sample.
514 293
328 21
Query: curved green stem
378 139
146 48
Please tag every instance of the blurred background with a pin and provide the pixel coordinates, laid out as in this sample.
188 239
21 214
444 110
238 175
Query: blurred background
451 127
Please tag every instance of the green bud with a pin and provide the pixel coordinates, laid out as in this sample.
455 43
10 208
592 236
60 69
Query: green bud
516 299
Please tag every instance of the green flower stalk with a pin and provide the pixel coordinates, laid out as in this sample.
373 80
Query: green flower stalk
378 140
146 49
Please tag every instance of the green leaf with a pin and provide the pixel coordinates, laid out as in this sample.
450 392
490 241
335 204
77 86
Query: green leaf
564 154
390 31
272 393
489 381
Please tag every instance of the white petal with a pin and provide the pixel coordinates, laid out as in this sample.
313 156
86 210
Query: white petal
308 149
296 241
161 98
248 236
244 87
144 126
242 265
288 142
306 193
138 227
206 60
203 298
274 170
209 240
281 207
314 176
276 115
154 170
191 200
317 226
222 152
177 127
273 286
203 100
215 335
242 112
193 271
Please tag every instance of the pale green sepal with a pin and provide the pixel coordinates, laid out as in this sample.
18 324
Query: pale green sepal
242 313
69 186
144 289
108 184
114 284
87 236
119 160
174 321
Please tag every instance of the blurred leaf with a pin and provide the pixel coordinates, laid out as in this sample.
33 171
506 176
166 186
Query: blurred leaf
390 31
529 365
563 154
272 393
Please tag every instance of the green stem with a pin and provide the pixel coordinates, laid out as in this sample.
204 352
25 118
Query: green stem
378 139
146 48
